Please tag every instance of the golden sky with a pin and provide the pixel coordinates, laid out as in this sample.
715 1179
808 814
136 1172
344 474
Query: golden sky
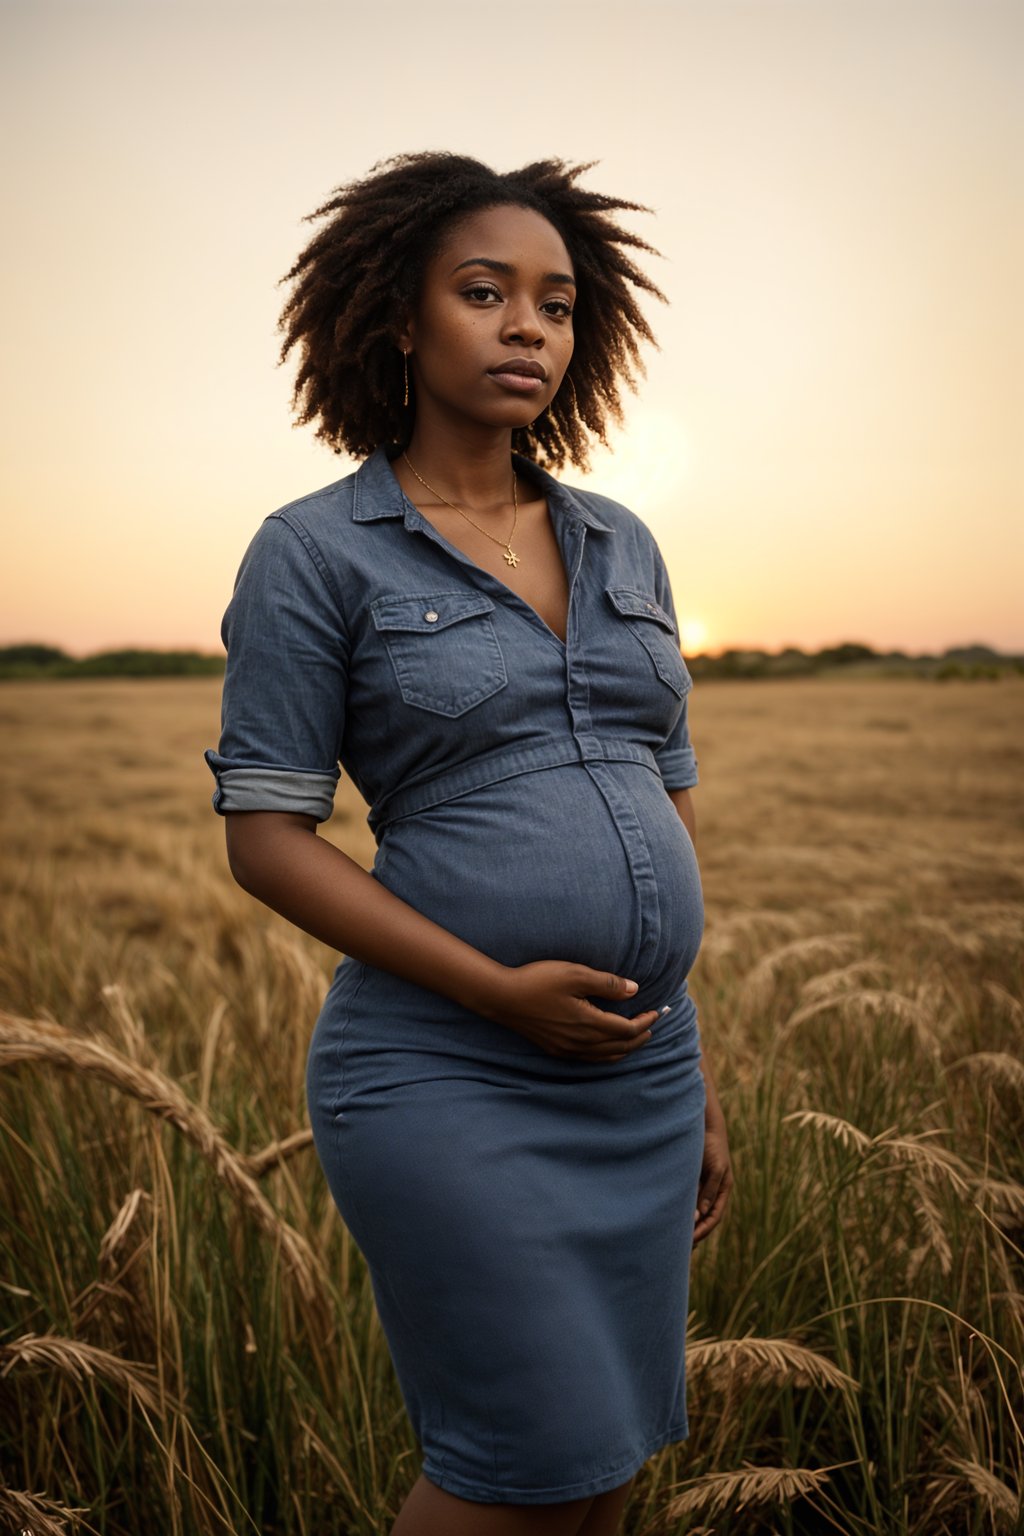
829 444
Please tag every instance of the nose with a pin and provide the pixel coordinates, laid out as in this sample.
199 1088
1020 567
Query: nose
521 325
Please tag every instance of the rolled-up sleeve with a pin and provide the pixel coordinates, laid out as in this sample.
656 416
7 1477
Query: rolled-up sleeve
285 682
676 758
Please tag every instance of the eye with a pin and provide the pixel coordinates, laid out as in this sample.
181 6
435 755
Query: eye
566 309
483 288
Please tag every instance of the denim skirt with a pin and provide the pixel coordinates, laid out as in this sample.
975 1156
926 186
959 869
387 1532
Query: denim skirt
527 1220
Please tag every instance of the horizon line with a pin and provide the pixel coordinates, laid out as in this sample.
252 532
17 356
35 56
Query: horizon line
717 651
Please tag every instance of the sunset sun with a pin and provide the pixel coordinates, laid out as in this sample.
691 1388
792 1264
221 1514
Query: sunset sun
694 636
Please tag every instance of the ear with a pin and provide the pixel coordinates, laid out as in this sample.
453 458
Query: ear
405 333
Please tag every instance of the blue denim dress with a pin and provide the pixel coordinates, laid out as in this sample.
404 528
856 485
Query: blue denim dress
526 1219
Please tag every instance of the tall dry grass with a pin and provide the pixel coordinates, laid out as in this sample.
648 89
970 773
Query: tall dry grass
188 1342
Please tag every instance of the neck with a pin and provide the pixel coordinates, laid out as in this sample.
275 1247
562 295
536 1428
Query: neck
469 465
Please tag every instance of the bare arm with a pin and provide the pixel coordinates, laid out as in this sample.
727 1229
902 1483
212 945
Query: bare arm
277 857
683 803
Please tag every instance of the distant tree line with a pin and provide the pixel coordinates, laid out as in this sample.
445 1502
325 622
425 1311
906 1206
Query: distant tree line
855 659
34 660
41 661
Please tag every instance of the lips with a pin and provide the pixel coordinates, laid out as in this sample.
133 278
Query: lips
521 375
521 365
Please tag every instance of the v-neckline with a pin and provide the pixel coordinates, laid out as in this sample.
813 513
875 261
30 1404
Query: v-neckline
460 554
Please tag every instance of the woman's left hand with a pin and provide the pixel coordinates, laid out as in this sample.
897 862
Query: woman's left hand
716 1178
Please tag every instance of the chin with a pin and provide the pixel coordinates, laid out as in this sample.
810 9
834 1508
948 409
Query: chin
516 413
514 416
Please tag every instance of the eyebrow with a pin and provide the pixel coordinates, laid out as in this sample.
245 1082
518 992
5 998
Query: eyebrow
509 270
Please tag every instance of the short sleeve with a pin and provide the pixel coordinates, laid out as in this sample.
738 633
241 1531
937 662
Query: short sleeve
285 682
676 758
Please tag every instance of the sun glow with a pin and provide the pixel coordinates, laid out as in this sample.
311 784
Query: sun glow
694 636
646 465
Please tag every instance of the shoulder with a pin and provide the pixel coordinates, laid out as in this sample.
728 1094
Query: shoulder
321 511
308 530
295 546
615 515
605 508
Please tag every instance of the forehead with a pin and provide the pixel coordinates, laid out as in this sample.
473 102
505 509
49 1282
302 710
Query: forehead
520 236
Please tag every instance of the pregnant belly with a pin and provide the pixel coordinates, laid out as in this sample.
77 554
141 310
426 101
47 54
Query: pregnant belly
588 863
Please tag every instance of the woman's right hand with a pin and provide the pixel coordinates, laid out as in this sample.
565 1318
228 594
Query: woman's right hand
277 857
547 1002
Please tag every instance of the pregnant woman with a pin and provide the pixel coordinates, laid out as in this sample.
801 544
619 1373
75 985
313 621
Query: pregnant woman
506 1081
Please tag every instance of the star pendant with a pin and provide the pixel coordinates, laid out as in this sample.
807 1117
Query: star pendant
511 558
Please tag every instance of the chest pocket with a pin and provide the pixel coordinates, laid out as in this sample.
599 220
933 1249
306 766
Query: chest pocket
443 648
652 625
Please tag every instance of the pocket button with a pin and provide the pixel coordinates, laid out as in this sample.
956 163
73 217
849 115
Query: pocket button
430 616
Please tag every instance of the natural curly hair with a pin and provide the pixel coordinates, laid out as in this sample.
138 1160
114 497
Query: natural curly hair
365 267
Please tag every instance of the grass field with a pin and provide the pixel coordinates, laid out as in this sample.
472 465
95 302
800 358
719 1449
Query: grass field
187 1336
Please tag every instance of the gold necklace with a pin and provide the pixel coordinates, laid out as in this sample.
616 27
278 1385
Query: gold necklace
511 558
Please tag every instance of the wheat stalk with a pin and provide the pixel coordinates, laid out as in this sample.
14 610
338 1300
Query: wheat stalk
1001 1502
33 1514
1005 1196
756 987
779 1360
211 1050
837 982
122 1223
1011 1006
998 1066
28 1040
926 1159
716 1491
130 1026
278 1152
928 1165
931 1161
928 1210
850 1136
991 922
80 1362
874 1001
759 922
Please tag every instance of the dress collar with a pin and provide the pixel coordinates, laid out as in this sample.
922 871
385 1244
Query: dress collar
377 493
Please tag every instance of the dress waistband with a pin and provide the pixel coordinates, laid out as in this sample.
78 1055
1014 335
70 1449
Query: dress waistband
507 764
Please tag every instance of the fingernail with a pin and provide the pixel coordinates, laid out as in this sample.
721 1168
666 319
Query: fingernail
666 1009
631 987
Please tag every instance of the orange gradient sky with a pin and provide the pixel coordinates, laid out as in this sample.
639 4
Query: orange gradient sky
829 444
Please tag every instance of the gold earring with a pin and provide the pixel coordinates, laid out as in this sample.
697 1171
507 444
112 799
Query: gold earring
405 360
572 386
